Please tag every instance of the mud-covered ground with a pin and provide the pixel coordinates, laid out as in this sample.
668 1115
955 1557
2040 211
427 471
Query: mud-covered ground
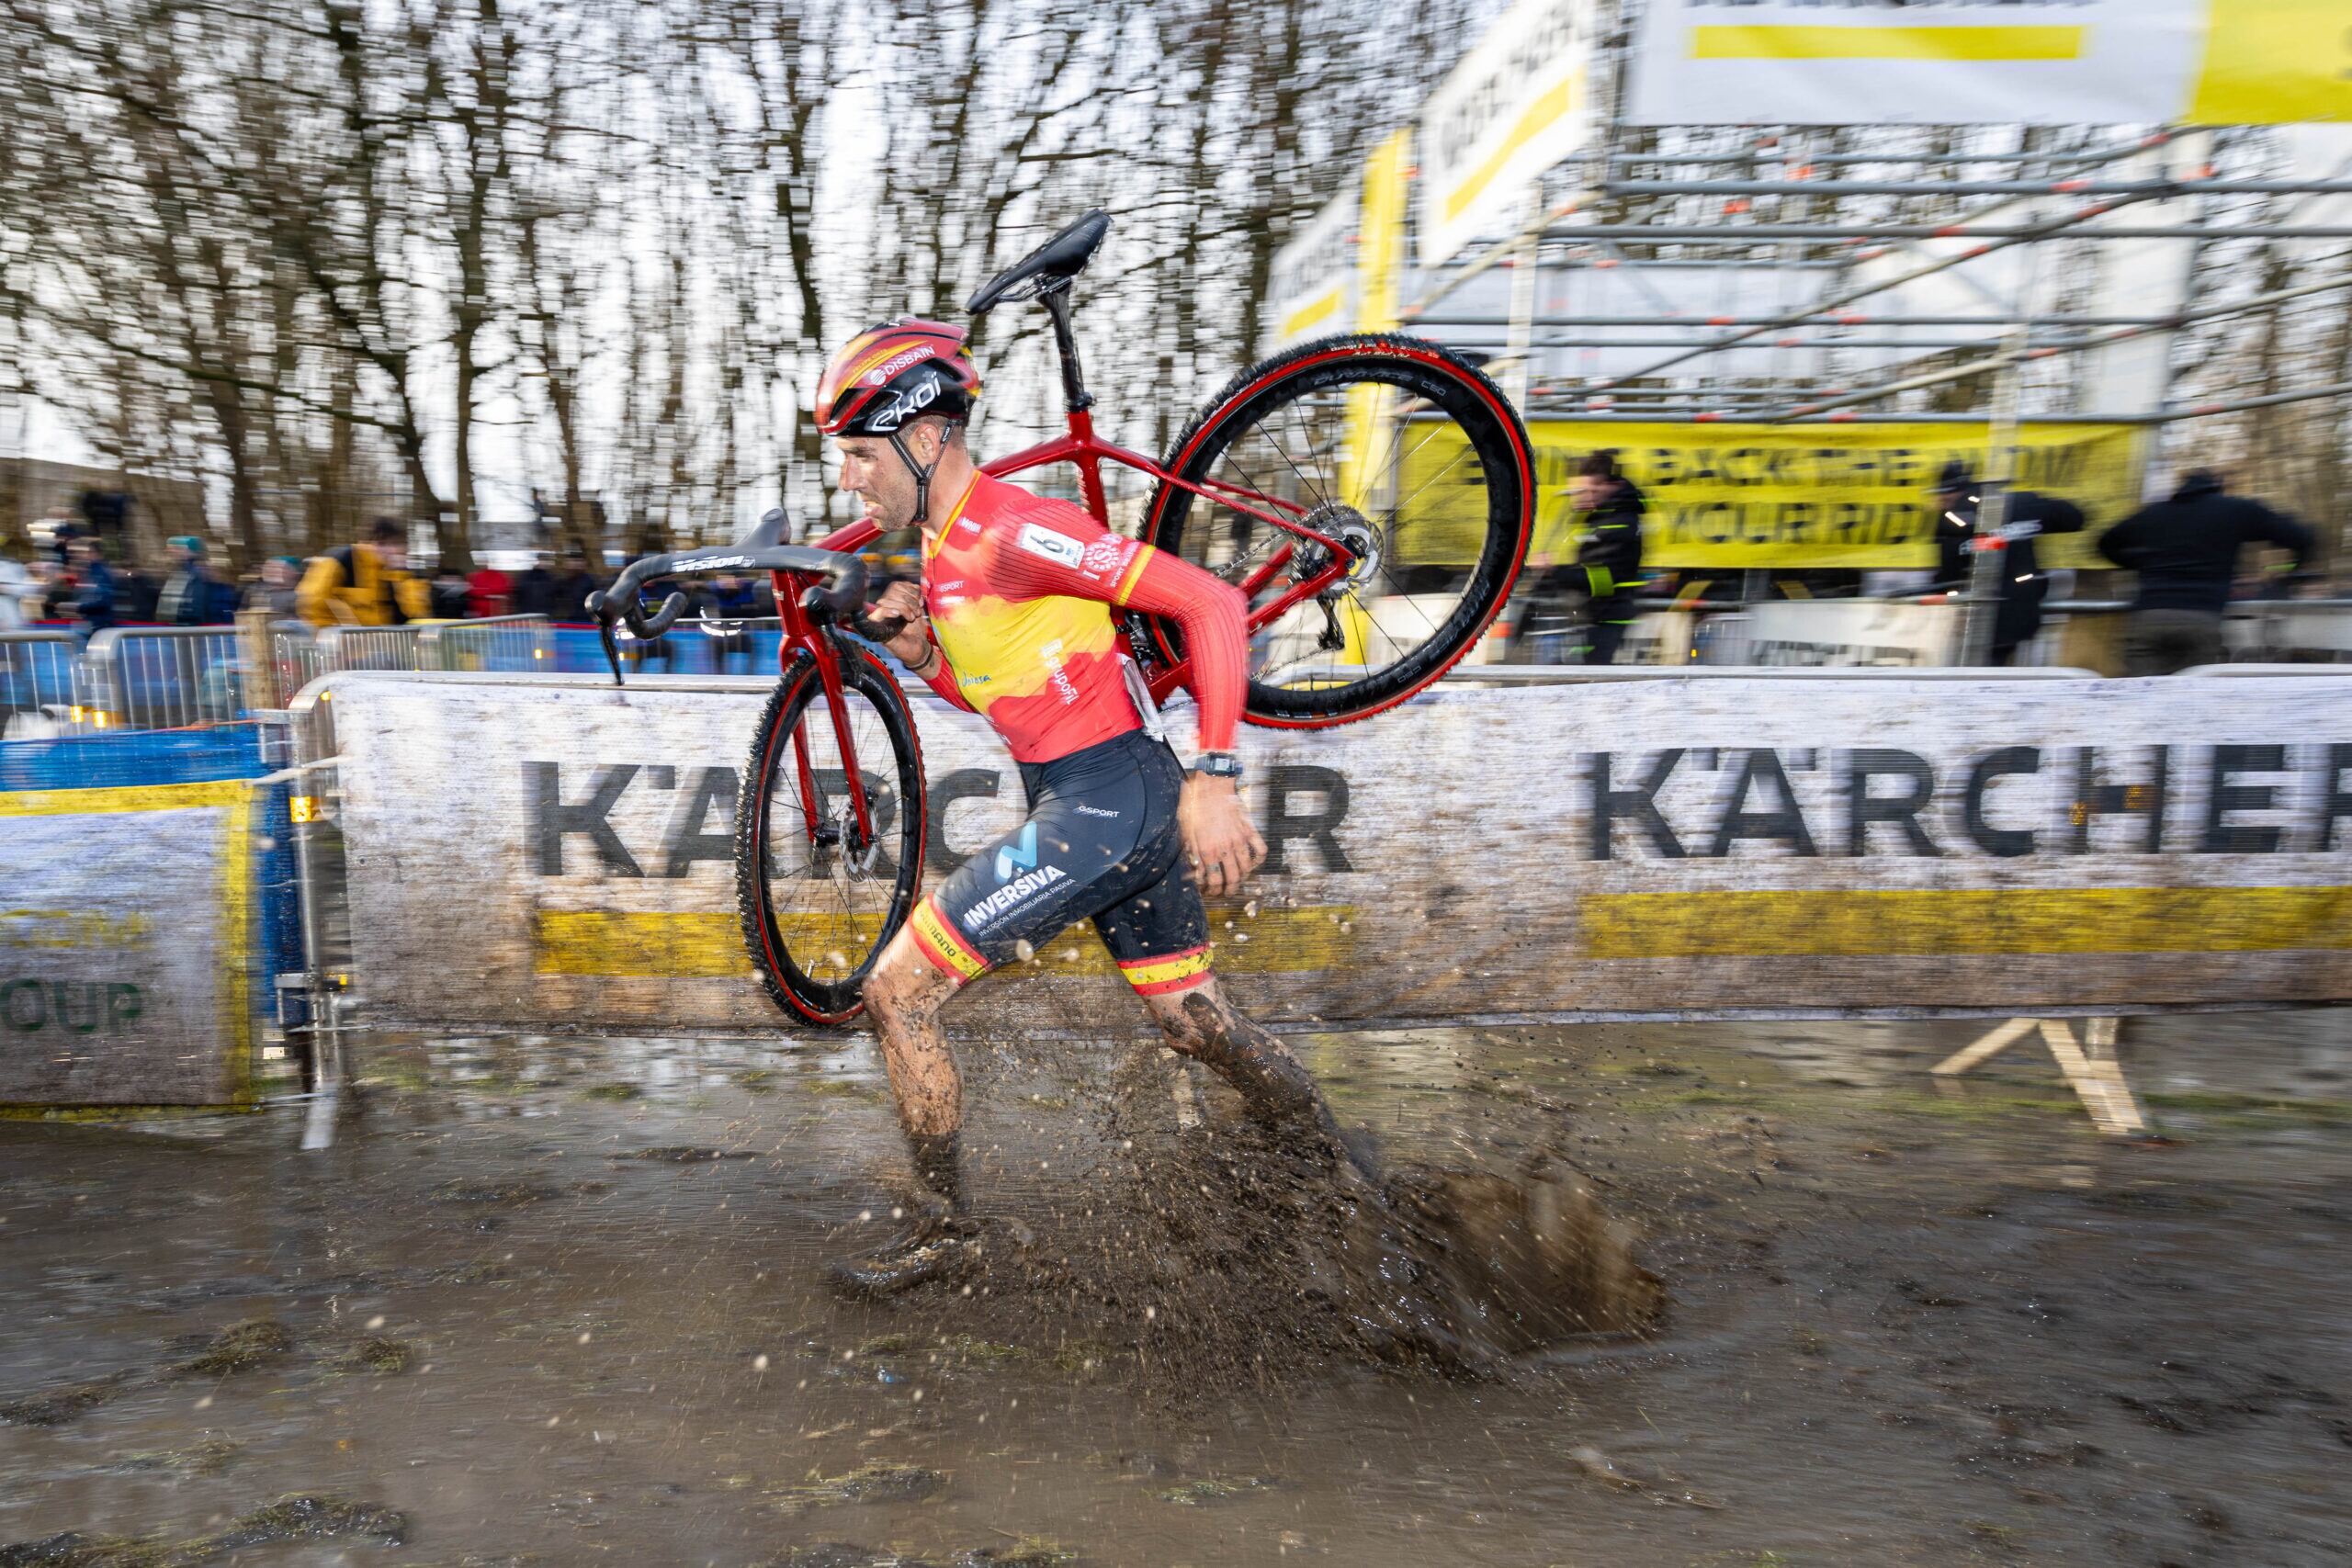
551 1302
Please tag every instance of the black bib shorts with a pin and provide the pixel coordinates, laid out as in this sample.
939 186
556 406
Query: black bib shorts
1099 843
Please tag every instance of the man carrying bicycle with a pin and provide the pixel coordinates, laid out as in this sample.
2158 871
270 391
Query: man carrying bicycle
1013 619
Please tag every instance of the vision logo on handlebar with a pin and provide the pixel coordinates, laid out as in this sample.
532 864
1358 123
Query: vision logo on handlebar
841 600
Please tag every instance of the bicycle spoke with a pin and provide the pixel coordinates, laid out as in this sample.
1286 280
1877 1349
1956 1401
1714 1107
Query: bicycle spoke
1425 484
832 912
1322 496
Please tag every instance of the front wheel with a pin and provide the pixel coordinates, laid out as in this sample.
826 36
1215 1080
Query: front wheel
1399 450
820 899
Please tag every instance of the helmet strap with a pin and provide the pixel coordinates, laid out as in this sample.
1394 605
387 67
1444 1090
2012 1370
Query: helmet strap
921 471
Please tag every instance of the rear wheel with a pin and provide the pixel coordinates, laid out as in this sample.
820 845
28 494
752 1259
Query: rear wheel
1402 452
819 899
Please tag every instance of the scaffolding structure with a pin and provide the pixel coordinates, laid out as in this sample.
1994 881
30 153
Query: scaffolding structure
1967 275
1872 227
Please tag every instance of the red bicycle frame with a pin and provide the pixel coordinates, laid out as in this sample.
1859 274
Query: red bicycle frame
801 641
1081 447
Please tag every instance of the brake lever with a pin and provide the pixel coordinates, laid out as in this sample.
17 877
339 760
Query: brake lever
595 606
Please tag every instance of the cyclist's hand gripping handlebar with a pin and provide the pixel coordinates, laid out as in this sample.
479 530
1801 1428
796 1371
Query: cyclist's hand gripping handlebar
839 599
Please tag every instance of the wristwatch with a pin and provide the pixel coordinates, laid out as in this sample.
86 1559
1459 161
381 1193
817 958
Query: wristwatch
1218 765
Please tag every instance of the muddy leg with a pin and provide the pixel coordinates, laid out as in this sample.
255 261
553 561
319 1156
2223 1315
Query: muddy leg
1201 1025
1387 1299
904 995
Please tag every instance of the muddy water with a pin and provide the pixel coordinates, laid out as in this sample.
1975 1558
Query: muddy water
556 1302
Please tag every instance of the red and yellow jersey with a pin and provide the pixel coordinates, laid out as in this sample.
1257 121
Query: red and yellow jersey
1020 591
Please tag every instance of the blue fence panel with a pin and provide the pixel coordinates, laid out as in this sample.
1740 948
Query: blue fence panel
685 651
132 759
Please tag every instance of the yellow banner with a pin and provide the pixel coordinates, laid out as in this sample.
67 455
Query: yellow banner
1774 495
2274 62
1379 249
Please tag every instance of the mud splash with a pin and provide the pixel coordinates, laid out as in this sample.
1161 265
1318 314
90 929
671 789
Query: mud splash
1227 1255
1911 1323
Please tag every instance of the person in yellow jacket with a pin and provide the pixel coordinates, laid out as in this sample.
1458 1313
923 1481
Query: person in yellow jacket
365 585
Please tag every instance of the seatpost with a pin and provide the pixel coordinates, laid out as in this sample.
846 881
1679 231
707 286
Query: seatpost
1074 392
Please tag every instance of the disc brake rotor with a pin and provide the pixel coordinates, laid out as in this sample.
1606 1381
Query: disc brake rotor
1350 529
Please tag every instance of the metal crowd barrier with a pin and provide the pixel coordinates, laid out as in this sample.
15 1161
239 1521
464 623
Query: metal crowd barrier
367 648
294 653
162 677
495 644
40 682
176 677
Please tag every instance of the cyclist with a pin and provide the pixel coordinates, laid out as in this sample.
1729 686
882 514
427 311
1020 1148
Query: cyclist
1011 619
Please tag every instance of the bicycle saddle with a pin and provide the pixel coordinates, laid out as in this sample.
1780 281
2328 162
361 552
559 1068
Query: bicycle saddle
1058 260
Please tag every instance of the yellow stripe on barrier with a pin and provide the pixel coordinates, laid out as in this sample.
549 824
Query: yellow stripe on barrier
1901 923
119 799
240 925
709 945
1799 42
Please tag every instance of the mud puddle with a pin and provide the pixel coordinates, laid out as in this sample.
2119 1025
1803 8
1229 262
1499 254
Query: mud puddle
553 1301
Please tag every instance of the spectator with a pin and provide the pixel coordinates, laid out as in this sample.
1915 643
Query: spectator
535 589
19 591
191 594
277 592
571 590
1608 566
490 592
57 590
93 585
450 595
137 592
2024 584
56 530
2185 551
365 584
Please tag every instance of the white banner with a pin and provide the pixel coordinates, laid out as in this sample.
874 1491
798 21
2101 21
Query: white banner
1518 104
123 943
524 854
2288 633
1987 62
1311 290
1849 634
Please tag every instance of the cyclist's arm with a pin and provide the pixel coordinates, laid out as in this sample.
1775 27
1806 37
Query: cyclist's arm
1112 569
942 680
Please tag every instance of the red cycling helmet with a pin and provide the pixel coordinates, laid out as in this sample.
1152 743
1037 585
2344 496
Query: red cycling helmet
889 374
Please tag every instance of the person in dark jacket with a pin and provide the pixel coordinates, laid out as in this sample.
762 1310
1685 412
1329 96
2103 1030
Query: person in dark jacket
94 586
1611 555
1600 584
2185 551
571 590
192 595
535 589
2024 585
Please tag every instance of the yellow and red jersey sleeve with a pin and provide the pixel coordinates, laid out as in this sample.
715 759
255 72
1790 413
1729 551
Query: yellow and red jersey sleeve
1020 591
